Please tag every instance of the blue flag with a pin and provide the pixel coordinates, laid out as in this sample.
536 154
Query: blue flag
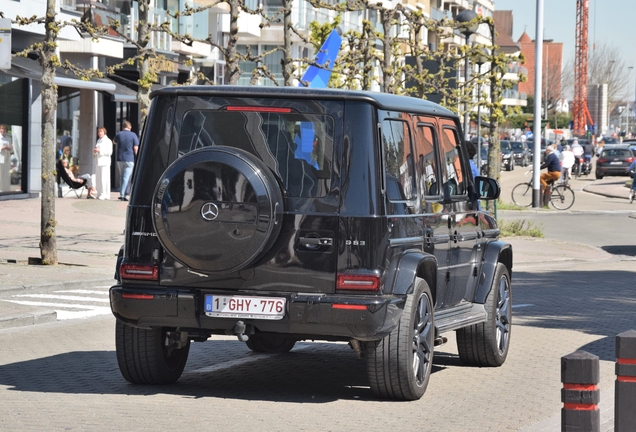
315 76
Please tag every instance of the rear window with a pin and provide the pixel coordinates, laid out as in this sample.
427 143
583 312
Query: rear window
298 148
622 153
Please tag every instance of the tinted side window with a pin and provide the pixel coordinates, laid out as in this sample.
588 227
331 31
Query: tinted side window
452 174
398 160
426 161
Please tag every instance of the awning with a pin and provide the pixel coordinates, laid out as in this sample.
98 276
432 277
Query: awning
26 68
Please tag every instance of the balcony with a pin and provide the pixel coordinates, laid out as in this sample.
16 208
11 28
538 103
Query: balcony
514 98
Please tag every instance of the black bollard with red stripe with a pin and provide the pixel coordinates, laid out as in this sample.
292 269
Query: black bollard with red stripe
580 394
625 385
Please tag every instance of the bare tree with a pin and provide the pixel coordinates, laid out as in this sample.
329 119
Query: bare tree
49 60
605 65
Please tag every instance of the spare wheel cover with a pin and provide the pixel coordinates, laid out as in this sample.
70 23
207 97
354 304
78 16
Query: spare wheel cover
217 209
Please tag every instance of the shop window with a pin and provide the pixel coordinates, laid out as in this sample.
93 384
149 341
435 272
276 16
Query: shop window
11 116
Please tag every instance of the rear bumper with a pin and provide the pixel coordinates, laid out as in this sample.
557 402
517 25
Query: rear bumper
306 314
613 171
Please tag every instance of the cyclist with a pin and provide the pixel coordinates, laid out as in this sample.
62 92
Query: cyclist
553 165
577 149
566 163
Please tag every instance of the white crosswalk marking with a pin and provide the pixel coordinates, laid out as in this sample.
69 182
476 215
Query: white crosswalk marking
68 304
64 297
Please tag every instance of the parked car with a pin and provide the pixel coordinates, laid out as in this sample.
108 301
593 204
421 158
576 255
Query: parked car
614 161
520 152
508 156
631 142
283 214
530 144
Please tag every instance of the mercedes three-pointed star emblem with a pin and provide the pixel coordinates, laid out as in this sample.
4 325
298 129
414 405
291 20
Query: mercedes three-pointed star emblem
209 211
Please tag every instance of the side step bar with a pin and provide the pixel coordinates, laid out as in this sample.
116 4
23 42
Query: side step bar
458 317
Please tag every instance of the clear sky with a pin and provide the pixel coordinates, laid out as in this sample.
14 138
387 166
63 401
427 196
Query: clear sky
611 21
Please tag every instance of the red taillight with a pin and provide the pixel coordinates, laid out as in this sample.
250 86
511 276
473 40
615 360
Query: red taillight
357 282
258 109
601 160
348 306
138 296
630 160
139 271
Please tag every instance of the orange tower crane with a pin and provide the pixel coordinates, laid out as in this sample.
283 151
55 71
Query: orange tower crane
579 107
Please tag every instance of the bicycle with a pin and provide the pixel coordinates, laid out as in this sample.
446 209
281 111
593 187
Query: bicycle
561 195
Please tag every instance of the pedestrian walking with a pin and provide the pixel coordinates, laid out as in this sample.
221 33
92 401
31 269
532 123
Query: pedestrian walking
127 146
102 152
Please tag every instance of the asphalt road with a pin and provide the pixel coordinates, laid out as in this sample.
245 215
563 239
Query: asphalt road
64 376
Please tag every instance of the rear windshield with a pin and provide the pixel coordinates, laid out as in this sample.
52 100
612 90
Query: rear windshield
298 148
623 153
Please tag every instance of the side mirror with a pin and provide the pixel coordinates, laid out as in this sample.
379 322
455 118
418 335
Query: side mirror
487 188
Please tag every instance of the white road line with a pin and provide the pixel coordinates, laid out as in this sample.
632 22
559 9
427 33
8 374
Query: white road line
62 314
95 311
81 291
54 305
521 305
63 297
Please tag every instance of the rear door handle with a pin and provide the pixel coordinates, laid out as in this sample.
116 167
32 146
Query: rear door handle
315 241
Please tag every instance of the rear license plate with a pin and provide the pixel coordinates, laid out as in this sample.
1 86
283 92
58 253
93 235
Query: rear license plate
270 308
616 163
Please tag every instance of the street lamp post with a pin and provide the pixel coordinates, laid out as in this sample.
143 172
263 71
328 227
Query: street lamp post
464 17
627 126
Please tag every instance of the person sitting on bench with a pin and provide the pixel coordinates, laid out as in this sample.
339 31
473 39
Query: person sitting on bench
76 182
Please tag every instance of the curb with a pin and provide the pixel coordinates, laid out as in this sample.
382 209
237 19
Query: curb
27 319
605 194
55 286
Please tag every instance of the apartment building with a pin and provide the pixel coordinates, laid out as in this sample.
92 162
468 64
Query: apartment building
503 24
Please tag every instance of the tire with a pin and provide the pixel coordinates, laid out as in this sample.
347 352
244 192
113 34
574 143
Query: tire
487 344
598 176
399 366
562 197
218 196
269 343
522 195
144 359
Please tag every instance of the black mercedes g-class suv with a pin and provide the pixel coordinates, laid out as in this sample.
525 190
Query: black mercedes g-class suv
286 214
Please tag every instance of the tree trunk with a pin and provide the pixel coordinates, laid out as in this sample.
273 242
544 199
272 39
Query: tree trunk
387 47
288 66
146 79
48 238
367 67
232 61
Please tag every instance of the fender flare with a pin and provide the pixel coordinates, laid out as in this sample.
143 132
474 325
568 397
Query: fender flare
496 252
406 267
